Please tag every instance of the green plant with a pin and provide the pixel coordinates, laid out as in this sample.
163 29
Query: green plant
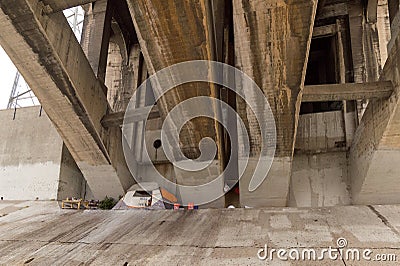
107 203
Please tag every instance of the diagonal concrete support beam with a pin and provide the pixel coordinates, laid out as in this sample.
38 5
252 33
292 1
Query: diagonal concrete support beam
53 6
46 52
272 40
375 152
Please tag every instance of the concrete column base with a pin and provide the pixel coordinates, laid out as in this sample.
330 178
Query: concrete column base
380 184
274 191
198 193
101 180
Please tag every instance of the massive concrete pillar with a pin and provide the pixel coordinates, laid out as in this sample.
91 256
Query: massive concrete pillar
365 44
393 6
122 70
272 40
175 31
375 154
46 52
96 35
394 18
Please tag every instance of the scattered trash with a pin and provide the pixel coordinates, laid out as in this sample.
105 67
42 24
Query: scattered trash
75 203
92 205
168 196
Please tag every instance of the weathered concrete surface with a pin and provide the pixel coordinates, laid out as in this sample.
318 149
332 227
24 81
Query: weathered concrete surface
347 92
274 191
204 237
394 18
272 41
321 132
383 24
61 77
176 31
34 163
375 152
365 44
319 180
71 182
30 155
96 32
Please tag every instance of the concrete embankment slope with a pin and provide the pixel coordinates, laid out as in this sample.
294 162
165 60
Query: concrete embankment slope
39 233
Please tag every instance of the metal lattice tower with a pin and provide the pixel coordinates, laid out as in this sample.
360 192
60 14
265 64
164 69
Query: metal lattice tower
75 17
21 95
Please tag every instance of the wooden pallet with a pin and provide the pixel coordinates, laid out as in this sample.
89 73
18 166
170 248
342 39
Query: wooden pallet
71 204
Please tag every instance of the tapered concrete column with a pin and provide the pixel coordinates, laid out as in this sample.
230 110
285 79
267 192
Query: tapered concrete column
364 45
393 6
96 36
272 40
175 31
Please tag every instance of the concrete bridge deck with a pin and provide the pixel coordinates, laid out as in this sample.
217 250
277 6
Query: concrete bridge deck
39 233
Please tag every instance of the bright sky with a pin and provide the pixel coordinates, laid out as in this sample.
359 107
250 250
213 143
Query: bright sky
7 76
8 70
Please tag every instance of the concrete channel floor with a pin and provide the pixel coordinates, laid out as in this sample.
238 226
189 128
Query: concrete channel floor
40 233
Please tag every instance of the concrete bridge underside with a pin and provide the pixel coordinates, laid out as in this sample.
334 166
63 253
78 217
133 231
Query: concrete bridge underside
268 40
169 32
